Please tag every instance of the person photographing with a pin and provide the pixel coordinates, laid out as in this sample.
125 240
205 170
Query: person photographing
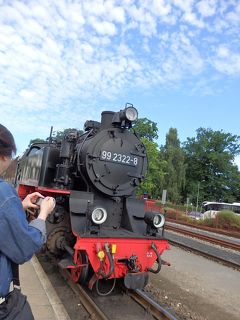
19 240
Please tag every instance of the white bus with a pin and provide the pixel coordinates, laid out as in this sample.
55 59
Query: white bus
210 209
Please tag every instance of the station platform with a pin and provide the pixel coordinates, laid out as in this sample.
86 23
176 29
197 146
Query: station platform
41 295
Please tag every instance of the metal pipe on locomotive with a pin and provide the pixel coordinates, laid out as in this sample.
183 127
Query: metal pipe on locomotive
99 229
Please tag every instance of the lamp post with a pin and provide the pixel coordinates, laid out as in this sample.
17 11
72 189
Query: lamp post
197 196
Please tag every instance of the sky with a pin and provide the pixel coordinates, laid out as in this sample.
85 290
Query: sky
63 62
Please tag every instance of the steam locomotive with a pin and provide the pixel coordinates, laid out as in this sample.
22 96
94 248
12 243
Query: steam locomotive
99 229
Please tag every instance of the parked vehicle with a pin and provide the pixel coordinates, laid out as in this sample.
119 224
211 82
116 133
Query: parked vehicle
210 209
195 215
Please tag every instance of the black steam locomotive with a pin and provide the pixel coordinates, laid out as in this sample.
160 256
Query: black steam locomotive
99 229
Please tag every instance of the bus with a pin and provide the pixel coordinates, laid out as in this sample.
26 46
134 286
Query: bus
210 209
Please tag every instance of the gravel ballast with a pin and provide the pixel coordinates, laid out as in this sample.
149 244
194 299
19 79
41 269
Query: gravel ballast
196 287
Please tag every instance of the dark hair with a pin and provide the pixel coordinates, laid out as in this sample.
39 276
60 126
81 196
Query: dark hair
7 143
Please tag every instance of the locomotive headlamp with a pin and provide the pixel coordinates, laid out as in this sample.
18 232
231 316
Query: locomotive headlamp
154 219
125 117
159 220
99 215
131 114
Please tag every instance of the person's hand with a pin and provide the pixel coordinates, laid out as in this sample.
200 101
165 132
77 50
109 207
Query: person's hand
46 207
31 199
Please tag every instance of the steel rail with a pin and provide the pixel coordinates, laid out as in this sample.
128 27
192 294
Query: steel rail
156 310
142 298
88 303
230 233
95 313
223 243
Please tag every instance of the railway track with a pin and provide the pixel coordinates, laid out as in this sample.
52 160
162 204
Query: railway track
229 233
151 307
221 242
93 310
156 309
210 246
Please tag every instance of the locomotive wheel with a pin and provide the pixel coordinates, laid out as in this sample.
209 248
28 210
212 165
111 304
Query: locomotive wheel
80 274
53 236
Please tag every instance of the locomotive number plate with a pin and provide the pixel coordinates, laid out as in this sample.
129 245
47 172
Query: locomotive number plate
119 158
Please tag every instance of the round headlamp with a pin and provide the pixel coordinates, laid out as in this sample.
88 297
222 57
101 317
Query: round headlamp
131 113
158 220
99 215
154 219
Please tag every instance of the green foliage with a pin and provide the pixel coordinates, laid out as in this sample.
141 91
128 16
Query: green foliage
146 128
36 140
59 135
177 207
227 219
174 179
210 166
156 170
187 219
170 213
181 209
207 222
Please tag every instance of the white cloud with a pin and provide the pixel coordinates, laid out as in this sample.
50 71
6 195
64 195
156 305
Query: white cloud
104 27
27 94
184 5
159 8
226 61
59 53
191 18
117 14
207 8
223 52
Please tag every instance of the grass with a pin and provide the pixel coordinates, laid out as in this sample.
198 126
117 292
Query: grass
227 219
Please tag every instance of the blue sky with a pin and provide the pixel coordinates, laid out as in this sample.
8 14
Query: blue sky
63 62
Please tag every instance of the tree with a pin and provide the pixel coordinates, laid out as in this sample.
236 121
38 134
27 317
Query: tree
156 170
211 171
60 134
174 179
36 140
147 131
146 128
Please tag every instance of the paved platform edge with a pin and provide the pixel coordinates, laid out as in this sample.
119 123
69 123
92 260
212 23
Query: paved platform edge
58 308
